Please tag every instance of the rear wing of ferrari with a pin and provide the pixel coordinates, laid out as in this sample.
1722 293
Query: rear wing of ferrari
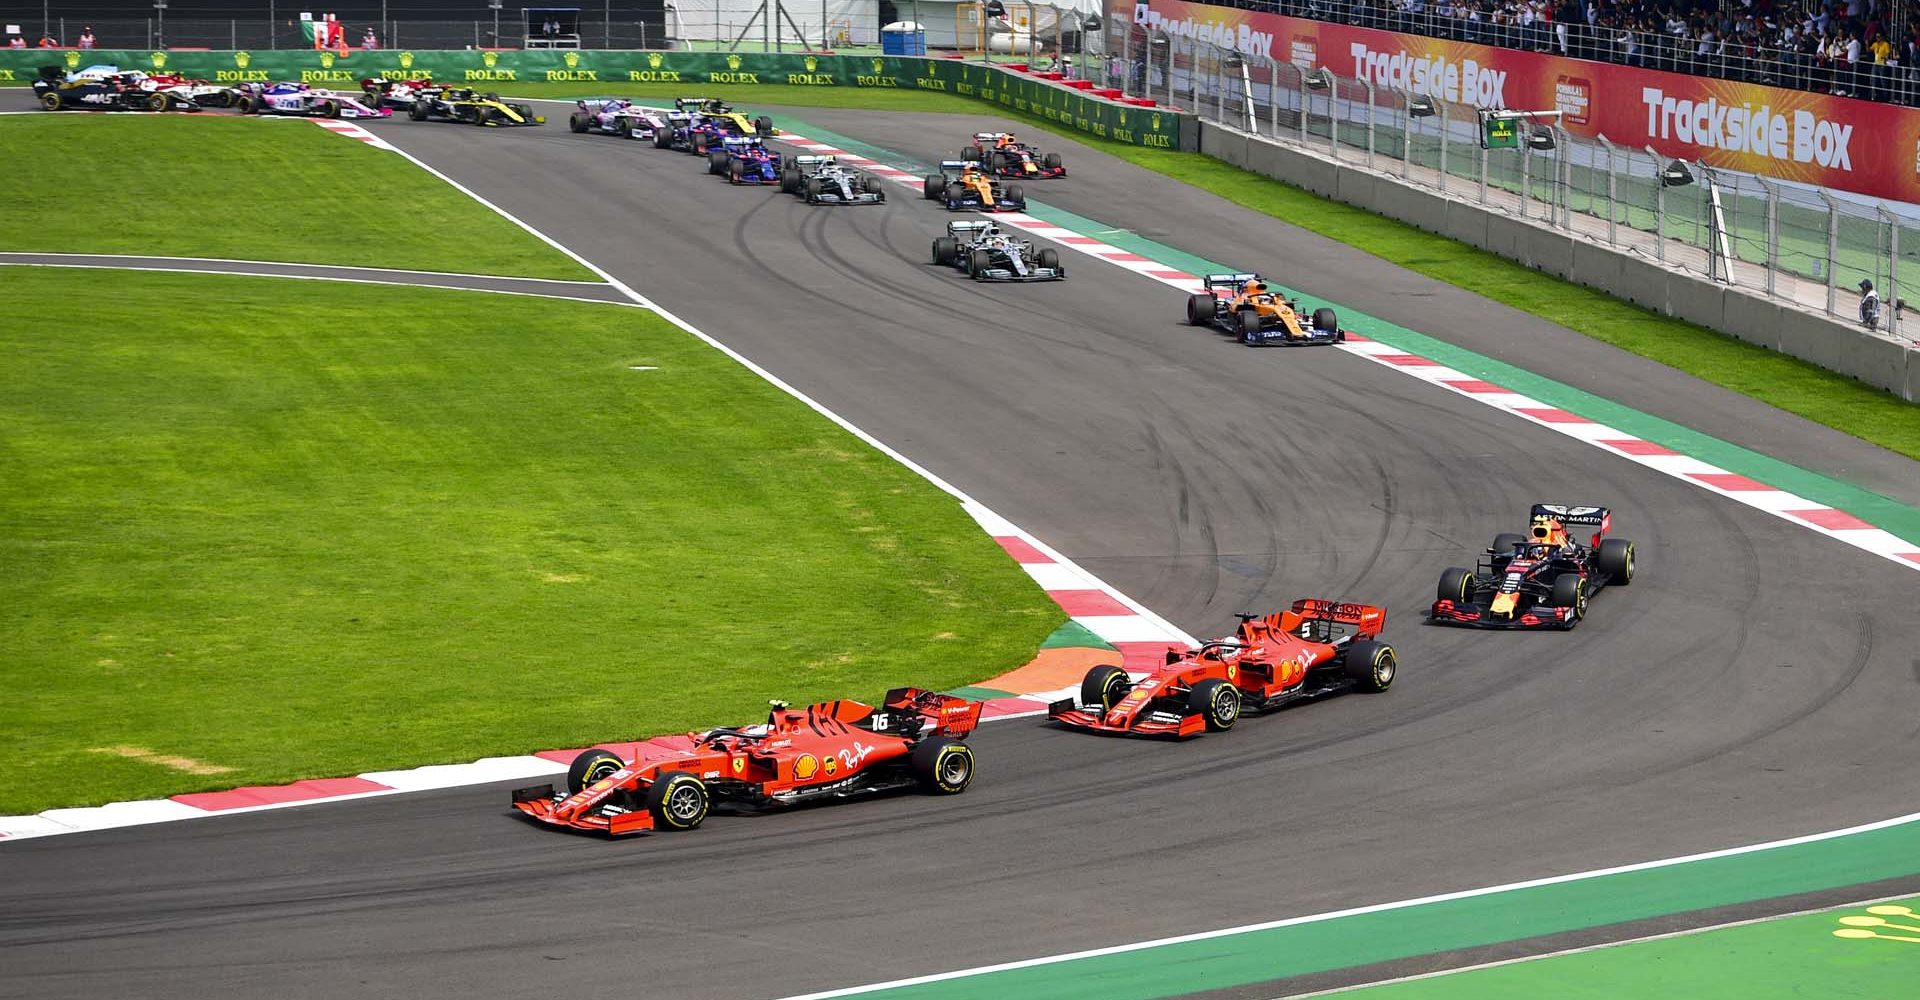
948 715
1369 618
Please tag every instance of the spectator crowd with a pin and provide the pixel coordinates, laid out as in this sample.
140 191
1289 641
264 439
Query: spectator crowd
1851 48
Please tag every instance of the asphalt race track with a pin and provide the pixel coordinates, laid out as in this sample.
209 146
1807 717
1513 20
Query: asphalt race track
1757 681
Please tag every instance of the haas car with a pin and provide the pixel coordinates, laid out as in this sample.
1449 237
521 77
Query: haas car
744 159
104 89
459 104
289 98
963 187
986 254
1313 648
1540 580
832 750
821 180
1245 306
616 116
1001 155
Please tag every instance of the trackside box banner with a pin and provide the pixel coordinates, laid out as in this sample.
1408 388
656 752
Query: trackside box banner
502 70
1853 145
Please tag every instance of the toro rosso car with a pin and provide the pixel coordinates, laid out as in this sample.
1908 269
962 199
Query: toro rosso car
744 159
1004 156
985 253
616 116
1540 580
1245 306
1314 648
833 750
821 180
300 99
457 104
963 187
395 95
104 89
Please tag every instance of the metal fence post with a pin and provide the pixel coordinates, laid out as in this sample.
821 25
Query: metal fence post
1892 299
1483 175
1563 146
1219 85
1369 85
1273 94
1333 115
1301 72
1833 243
1441 102
1406 135
1526 178
1773 232
1611 178
1126 61
1659 210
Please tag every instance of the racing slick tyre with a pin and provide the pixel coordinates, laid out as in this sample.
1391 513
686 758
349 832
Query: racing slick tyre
1200 309
933 186
663 138
1615 559
1217 701
575 123
157 102
1051 161
871 185
1018 194
977 264
330 109
973 153
418 112
1249 326
700 144
678 801
945 249
763 125
717 162
942 765
1570 591
50 100
1050 258
1456 585
736 172
956 193
1372 665
1103 687
621 127
245 105
814 188
590 766
1324 319
790 181
996 162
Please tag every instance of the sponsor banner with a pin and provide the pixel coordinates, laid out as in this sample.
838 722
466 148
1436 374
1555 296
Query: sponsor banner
1853 145
502 70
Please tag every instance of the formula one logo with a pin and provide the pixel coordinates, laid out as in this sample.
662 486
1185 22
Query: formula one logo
654 59
1879 923
159 60
488 59
805 767
572 59
73 60
733 62
326 60
242 59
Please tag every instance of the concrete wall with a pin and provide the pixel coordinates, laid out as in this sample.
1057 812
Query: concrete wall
1737 312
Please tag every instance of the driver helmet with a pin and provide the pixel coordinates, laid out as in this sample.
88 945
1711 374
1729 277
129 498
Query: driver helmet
1548 530
1004 139
1255 287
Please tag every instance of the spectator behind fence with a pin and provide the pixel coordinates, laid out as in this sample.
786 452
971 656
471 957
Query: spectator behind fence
86 37
48 42
368 42
16 42
1869 305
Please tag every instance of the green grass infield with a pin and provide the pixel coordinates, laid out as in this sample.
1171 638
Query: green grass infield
319 533
247 189
1788 383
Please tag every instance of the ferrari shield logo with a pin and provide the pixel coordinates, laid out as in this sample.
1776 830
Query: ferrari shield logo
489 58
739 764
242 59
159 60
572 59
654 59
406 60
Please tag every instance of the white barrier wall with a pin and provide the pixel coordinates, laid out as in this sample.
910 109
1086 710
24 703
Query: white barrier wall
1885 362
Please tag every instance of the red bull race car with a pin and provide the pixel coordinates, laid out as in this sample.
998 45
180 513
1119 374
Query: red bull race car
1312 649
1001 155
1540 580
833 750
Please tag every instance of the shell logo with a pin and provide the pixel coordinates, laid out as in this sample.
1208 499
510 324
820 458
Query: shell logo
406 60
654 59
733 62
489 58
326 60
242 59
572 59
805 767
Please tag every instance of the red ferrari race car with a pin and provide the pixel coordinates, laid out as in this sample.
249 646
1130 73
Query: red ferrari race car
1314 648
1001 155
835 749
1539 580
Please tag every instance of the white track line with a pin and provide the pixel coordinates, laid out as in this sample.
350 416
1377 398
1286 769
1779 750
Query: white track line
326 277
301 263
